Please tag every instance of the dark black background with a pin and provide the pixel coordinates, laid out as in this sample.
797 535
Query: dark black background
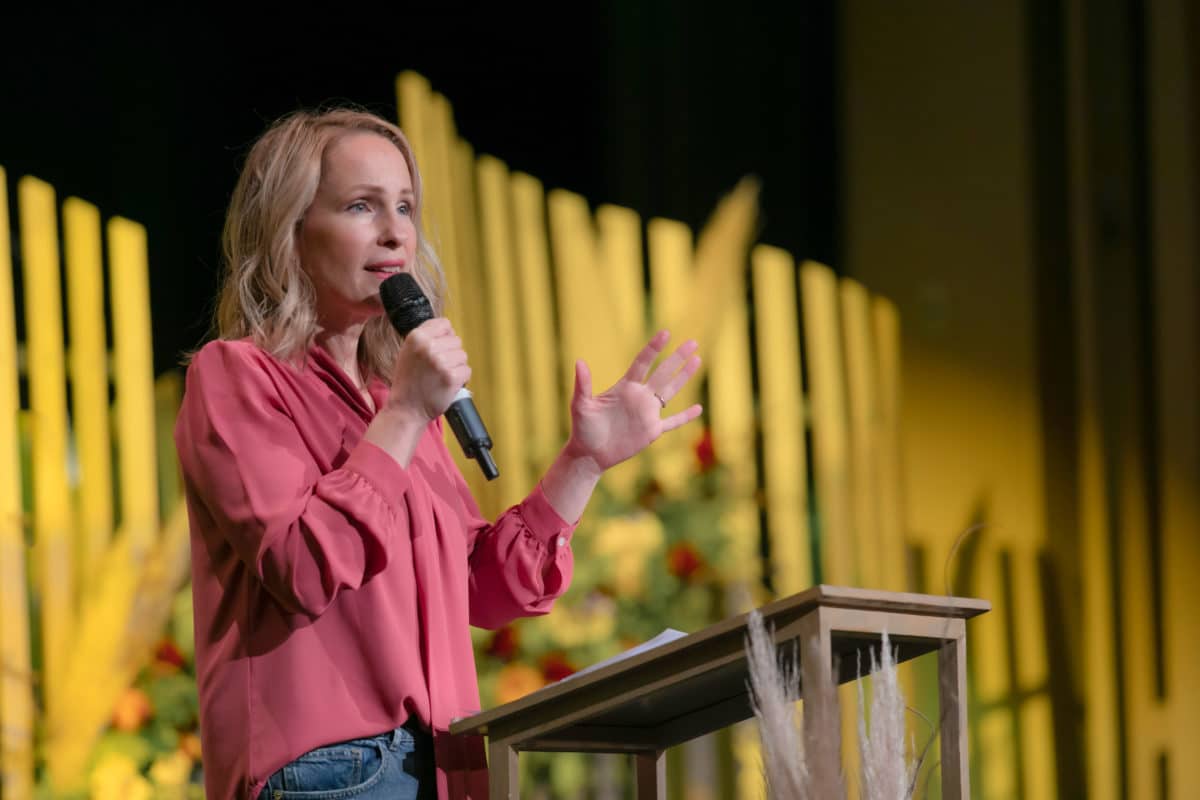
660 106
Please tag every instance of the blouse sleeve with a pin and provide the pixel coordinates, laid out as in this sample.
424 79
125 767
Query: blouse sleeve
307 536
520 564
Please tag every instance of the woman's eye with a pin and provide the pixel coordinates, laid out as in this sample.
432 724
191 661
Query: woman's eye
404 208
358 205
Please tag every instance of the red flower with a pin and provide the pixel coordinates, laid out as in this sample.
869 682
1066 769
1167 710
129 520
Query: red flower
555 667
683 561
705 456
504 643
168 653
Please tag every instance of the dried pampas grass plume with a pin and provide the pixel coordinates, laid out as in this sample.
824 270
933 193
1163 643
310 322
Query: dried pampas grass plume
808 766
888 770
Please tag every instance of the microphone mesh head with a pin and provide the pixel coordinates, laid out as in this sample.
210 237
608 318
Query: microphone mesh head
405 303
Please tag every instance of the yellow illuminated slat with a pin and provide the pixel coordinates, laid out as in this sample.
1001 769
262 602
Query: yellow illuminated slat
781 406
669 244
828 420
990 678
508 388
544 403
586 305
863 406
412 103
48 408
1036 725
472 314
722 247
1143 724
440 224
1099 653
168 395
133 378
435 169
89 386
619 239
731 409
886 324
1178 342
16 677
572 249
619 236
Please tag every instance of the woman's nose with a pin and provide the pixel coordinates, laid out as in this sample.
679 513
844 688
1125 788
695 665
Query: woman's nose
392 232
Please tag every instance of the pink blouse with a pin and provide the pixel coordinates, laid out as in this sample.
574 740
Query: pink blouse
334 588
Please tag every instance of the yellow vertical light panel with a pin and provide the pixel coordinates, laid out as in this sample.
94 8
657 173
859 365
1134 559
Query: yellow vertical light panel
828 420
48 410
133 379
1101 720
1143 719
545 406
438 223
16 675
1178 351
619 237
886 323
438 186
89 387
412 102
989 662
168 396
781 402
471 309
1035 725
572 248
669 245
585 296
862 397
508 386
732 412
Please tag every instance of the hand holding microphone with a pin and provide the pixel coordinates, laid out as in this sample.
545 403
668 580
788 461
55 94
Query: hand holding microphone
440 383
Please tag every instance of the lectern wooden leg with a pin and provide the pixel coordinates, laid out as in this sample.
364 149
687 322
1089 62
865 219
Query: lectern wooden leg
952 702
503 778
651 775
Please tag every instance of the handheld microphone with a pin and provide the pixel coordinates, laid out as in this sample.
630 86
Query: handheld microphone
407 307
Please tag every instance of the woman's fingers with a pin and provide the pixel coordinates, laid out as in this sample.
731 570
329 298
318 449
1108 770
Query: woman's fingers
674 371
640 367
682 418
679 379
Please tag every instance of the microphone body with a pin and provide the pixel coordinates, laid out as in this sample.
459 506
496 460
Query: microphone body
407 307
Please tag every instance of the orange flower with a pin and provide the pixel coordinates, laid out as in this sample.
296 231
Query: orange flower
132 710
515 681
190 744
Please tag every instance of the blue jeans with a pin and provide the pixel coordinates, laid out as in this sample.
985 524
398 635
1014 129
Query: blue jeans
397 765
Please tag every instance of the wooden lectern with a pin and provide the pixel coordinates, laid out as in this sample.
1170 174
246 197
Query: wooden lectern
695 685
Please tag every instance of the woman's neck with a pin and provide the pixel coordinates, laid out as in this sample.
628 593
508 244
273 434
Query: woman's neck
343 346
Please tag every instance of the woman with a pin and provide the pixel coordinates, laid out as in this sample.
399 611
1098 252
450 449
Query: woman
337 555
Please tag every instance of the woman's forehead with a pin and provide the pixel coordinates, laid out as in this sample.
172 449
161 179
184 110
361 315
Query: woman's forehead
368 158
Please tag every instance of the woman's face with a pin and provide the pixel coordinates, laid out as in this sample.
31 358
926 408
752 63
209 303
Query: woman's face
359 228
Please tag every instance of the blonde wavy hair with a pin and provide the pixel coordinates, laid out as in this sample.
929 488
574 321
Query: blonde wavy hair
265 295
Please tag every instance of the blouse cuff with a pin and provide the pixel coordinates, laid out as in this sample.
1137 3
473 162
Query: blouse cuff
543 521
377 467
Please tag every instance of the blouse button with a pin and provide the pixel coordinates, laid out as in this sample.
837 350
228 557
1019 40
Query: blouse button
562 541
